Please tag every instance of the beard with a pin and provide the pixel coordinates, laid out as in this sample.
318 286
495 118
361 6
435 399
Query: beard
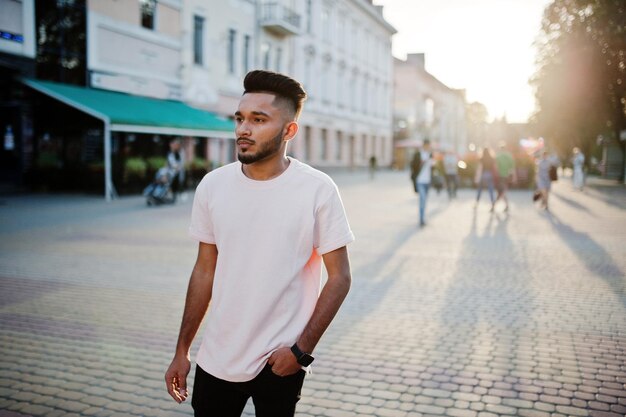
266 150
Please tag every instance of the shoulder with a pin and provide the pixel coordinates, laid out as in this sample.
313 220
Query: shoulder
311 176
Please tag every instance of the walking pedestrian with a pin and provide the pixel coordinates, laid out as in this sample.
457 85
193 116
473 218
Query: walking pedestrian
505 167
451 169
265 225
176 166
578 162
373 166
544 179
485 176
421 175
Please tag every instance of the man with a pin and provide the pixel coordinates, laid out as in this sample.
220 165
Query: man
505 166
421 175
264 224
176 165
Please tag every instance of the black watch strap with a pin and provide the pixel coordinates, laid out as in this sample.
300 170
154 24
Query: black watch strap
303 358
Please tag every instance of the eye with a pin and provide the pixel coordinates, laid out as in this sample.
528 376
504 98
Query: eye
238 119
258 120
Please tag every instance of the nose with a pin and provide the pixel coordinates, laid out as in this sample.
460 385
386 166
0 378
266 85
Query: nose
242 129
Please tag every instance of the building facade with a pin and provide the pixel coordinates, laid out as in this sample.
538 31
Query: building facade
339 50
17 59
194 52
343 58
425 108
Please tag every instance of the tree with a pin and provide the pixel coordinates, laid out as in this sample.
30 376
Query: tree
580 81
61 41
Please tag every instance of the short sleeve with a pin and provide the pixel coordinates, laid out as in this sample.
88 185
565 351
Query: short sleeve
201 227
332 230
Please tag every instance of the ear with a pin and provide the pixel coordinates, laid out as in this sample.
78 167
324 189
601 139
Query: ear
291 129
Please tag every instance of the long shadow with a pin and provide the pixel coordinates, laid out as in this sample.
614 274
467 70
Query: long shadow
596 259
613 195
368 279
378 285
486 311
573 203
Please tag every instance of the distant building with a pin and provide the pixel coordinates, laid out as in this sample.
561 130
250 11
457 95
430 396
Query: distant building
425 108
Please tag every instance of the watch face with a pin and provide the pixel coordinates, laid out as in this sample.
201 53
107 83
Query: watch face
305 359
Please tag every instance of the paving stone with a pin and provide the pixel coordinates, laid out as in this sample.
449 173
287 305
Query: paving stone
500 409
544 406
552 399
430 409
571 411
594 413
596 405
455 412
606 398
532 413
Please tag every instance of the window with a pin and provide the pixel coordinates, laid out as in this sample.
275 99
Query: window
309 16
324 145
339 146
325 25
246 54
429 111
373 145
232 33
363 146
148 8
265 53
279 57
198 36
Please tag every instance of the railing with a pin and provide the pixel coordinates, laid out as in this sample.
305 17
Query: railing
280 18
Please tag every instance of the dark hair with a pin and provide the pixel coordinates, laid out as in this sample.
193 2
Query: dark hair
282 86
426 141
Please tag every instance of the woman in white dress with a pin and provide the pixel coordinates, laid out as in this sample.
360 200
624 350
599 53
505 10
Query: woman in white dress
578 160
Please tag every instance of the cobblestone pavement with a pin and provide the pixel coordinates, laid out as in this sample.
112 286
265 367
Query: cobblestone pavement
477 314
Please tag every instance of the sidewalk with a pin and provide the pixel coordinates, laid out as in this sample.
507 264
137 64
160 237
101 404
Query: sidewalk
477 314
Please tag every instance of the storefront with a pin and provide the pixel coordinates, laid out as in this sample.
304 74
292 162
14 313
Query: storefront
107 134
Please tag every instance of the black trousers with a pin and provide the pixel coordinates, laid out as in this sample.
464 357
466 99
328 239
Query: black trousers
272 395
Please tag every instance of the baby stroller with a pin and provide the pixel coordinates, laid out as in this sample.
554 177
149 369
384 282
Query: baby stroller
160 190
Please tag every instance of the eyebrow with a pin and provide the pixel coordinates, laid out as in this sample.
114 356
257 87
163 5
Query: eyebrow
254 113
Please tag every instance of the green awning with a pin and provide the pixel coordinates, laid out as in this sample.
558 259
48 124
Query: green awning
129 113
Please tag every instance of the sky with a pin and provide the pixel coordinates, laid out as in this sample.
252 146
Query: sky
482 46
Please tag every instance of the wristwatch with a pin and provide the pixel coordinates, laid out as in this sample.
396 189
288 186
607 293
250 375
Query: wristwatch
303 359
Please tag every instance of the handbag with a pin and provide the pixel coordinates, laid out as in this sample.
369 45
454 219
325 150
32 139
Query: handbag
553 174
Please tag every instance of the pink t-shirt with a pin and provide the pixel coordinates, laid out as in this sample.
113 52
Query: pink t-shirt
270 236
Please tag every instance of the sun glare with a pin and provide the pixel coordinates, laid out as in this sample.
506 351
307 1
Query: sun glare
483 46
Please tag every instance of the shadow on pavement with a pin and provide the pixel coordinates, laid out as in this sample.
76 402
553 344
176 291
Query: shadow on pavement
572 203
595 258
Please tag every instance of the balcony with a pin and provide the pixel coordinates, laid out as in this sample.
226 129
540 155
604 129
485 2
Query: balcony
279 20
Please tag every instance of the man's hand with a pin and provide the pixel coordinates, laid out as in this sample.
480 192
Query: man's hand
176 378
283 362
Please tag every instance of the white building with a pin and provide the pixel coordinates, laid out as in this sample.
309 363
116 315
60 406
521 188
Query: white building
343 58
425 108
17 28
135 47
340 50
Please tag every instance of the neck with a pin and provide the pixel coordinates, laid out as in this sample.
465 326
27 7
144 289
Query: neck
266 169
